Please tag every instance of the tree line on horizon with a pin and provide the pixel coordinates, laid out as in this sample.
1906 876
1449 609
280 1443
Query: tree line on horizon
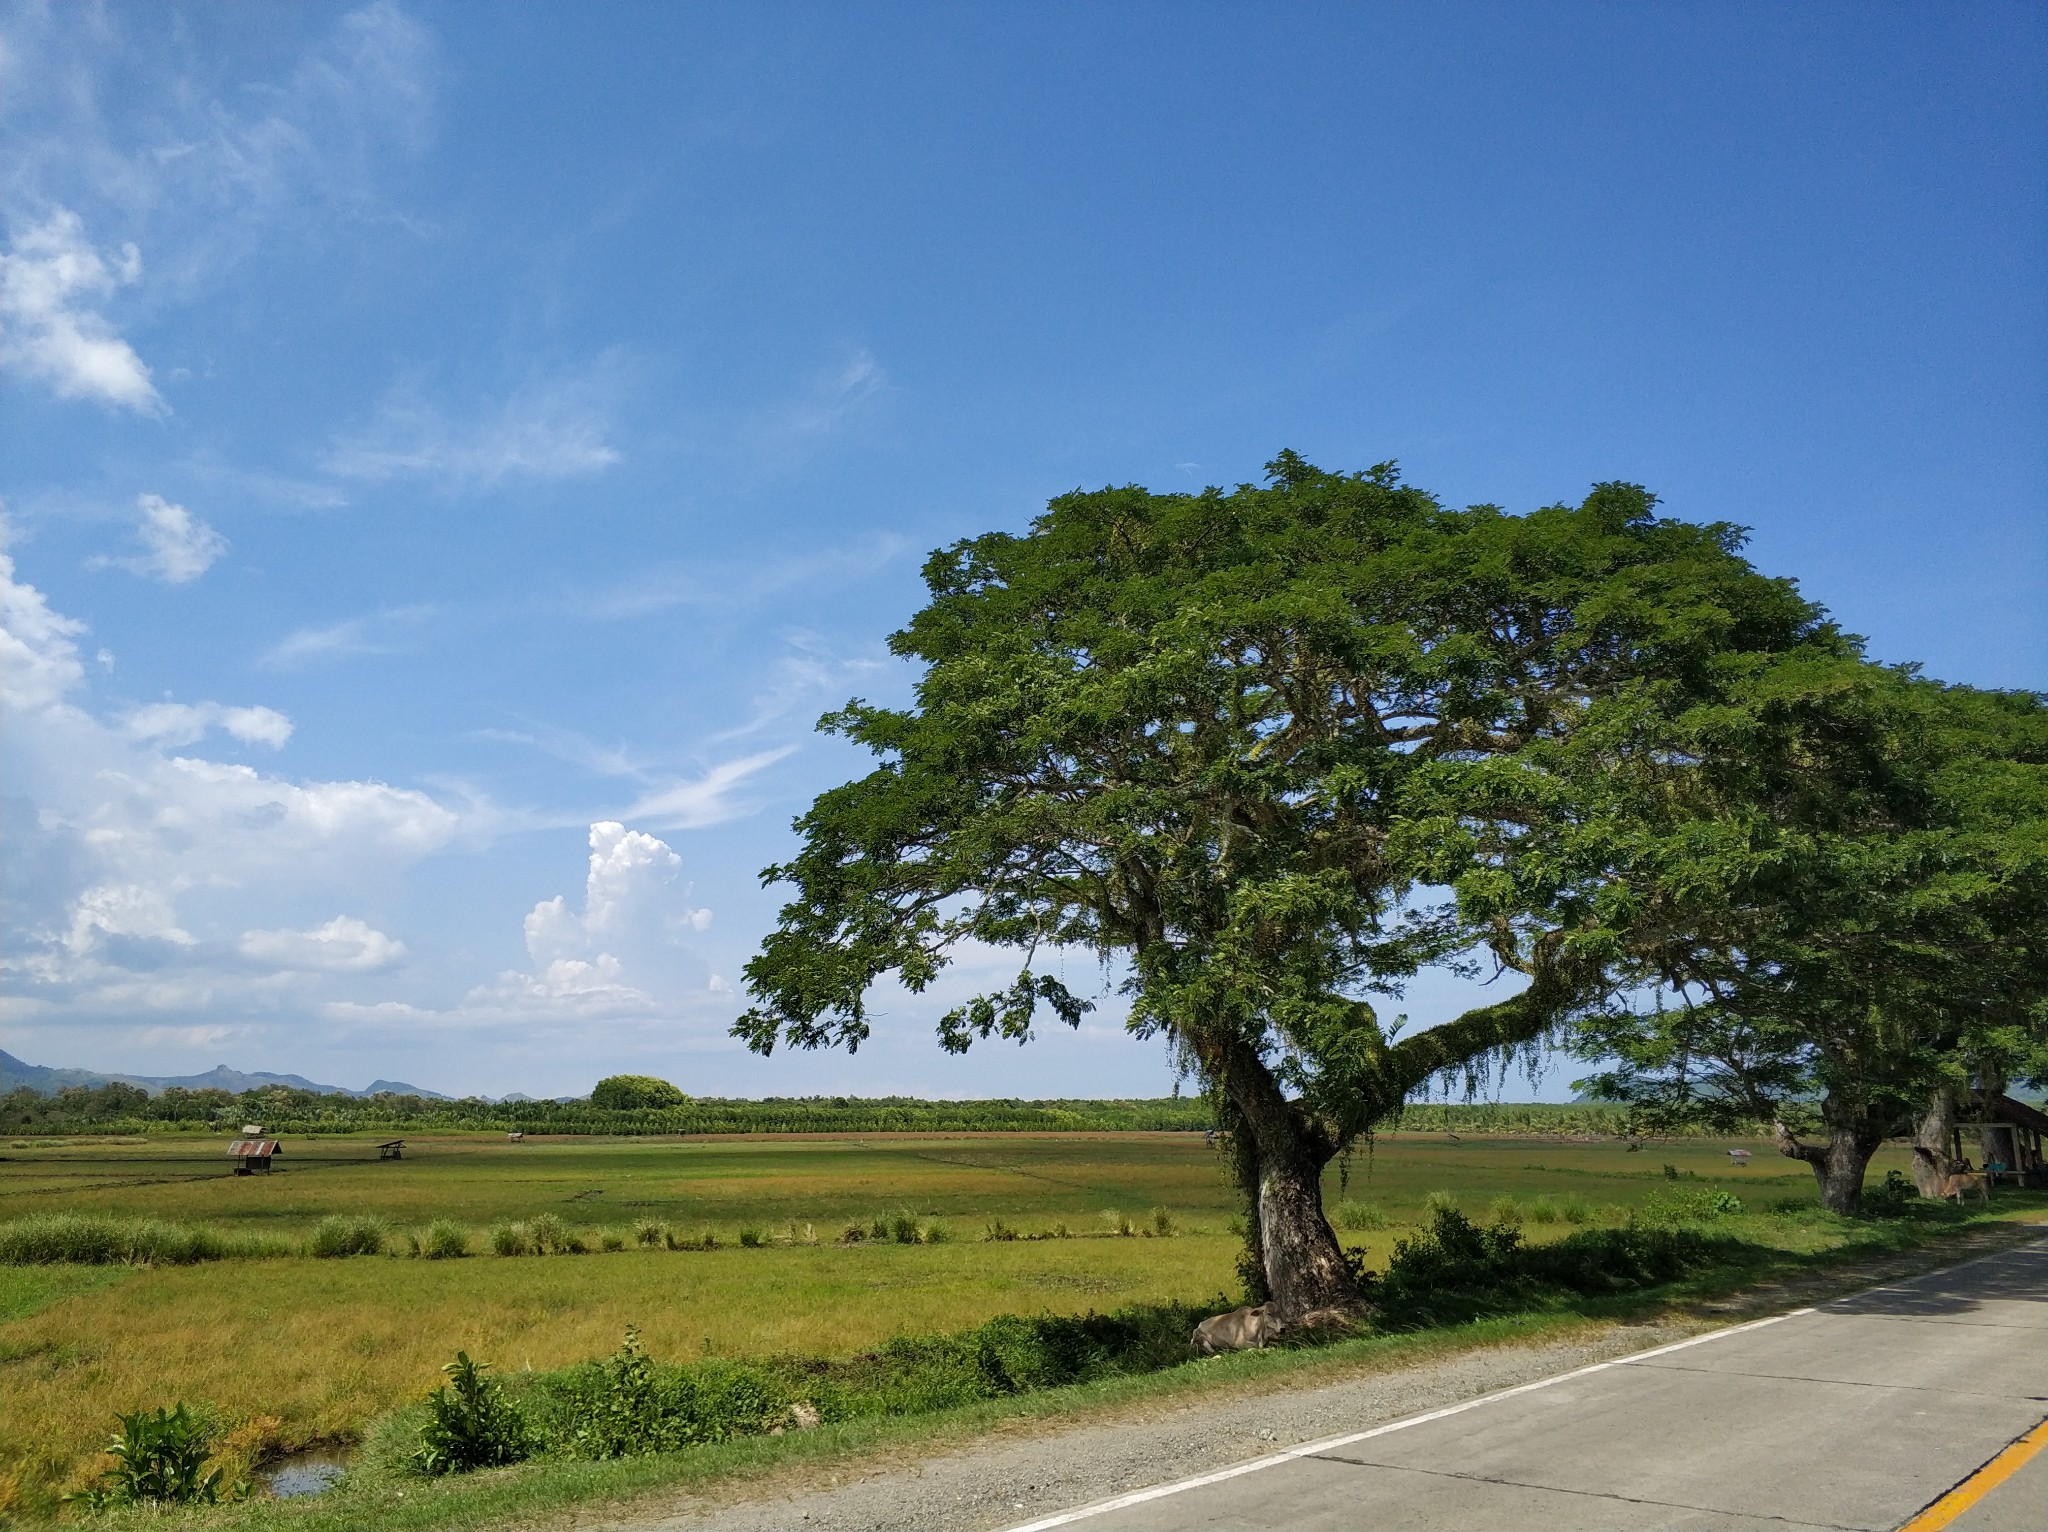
1268 753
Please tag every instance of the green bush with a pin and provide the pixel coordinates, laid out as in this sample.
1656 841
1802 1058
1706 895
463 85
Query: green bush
997 1231
752 1238
1439 1202
1544 1209
1163 1225
158 1457
1575 1209
548 1235
1455 1271
612 1239
1892 1198
1361 1215
470 1423
1507 1210
342 1235
650 1232
511 1239
1688 1205
445 1240
903 1229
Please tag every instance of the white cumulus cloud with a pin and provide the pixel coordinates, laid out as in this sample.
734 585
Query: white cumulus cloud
52 282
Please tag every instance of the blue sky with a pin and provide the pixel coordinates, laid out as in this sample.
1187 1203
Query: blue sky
453 453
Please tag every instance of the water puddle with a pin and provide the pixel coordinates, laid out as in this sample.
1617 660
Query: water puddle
312 1472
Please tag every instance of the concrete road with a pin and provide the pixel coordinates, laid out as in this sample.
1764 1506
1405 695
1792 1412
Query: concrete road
1858 1414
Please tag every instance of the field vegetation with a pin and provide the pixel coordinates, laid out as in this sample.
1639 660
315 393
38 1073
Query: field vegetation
726 1250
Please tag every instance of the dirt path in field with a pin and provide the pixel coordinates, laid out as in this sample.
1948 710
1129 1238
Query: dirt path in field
1036 1467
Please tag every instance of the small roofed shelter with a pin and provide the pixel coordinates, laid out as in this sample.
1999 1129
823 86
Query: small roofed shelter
253 1154
395 1150
515 1136
2009 1135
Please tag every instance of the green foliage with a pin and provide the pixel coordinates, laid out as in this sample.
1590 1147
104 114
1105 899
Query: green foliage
1687 1204
752 1238
470 1423
1455 1271
159 1458
444 1240
635 1093
1892 1198
341 1235
1361 1215
629 1404
99 1239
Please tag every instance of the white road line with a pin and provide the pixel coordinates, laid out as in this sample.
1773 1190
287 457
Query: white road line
1330 1443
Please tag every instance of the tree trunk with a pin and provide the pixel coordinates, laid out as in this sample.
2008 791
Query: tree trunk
1305 1266
1931 1162
1838 1164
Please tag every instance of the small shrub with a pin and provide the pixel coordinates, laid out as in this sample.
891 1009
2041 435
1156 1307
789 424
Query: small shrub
903 1229
706 1240
512 1239
650 1232
997 1231
1440 1202
878 1231
933 1233
1360 1215
1575 1209
445 1240
340 1235
1061 1231
1544 1209
1892 1198
1163 1224
1688 1205
1505 1210
752 1238
1671 1172
853 1234
548 1234
471 1423
158 1455
613 1239
1119 1223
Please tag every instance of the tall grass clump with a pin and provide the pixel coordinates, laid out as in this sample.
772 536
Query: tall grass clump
1544 1209
99 1239
347 1234
1440 1202
1361 1215
651 1232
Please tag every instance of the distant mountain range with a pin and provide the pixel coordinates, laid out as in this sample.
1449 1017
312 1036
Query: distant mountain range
14 1074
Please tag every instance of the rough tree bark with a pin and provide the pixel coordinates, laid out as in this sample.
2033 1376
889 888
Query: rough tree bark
1931 1162
1838 1165
1304 1265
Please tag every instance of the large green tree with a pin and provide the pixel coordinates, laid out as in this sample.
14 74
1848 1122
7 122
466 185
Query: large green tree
1238 744
1838 915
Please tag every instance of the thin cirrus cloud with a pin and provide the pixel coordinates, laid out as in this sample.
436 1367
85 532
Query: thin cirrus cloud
555 430
52 285
351 638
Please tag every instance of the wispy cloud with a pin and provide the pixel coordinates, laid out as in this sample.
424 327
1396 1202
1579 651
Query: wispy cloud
665 587
555 429
835 396
371 633
177 547
173 724
706 800
52 282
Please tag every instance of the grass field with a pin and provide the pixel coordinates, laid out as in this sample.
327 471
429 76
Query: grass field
283 1352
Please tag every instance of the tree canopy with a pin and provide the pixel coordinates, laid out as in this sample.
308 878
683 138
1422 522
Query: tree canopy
1240 744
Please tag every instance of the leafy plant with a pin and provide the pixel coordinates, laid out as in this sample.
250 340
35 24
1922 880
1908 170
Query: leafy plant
752 1238
445 1240
612 1239
158 1457
1688 1205
997 1230
1163 1225
1361 1215
650 1232
1506 1210
903 1229
511 1239
472 1424
347 1234
1544 1209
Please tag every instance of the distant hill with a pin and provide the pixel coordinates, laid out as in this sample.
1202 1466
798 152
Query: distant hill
14 1073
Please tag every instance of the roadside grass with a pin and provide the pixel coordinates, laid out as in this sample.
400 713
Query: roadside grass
374 1494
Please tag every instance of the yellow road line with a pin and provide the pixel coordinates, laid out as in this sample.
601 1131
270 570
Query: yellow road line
1980 1483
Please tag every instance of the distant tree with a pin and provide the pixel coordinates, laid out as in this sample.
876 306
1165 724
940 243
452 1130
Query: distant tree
1231 740
1843 916
634 1093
